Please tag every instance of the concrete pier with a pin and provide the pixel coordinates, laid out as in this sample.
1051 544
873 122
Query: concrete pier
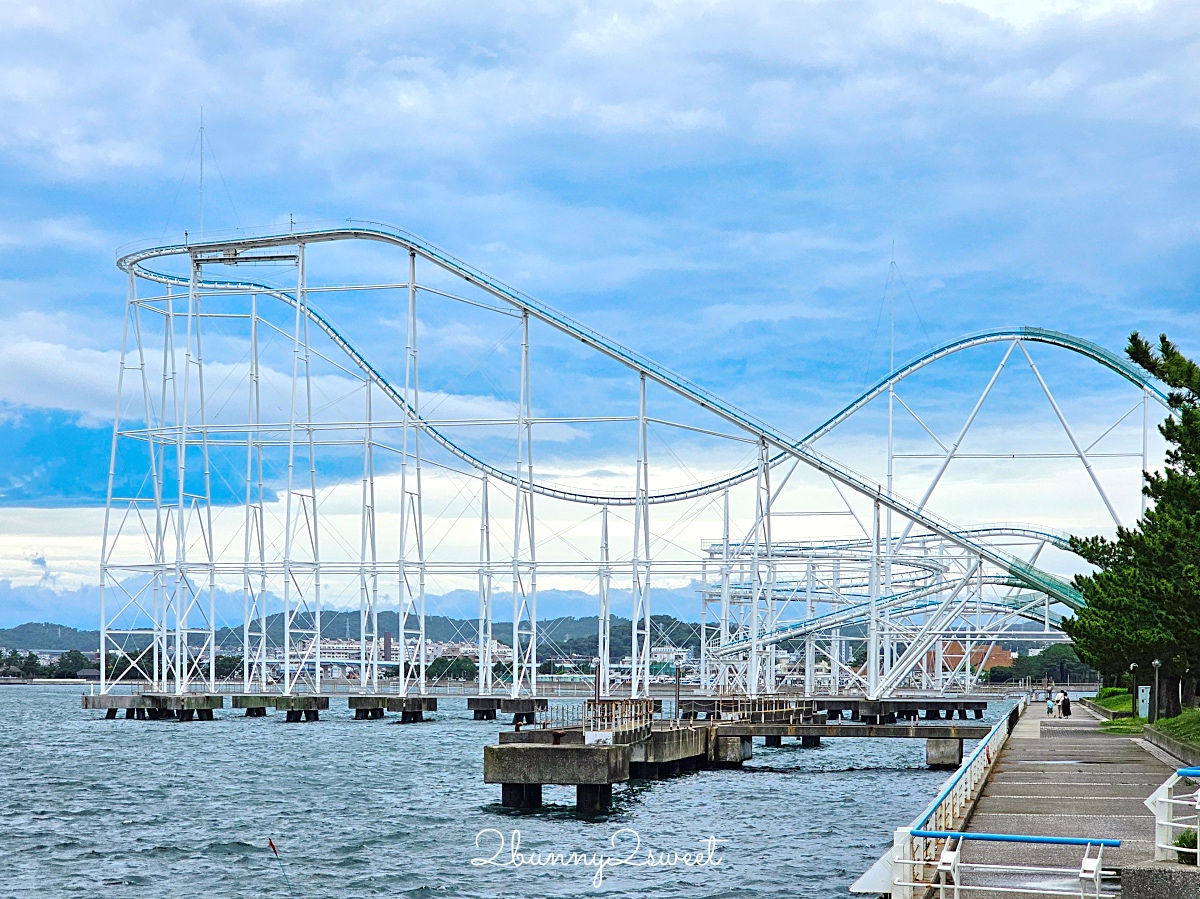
255 704
524 711
412 708
943 753
522 769
730 752
484 708
302 708
157 706
595 758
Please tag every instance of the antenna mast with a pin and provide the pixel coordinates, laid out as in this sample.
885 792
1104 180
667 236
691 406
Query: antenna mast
202 173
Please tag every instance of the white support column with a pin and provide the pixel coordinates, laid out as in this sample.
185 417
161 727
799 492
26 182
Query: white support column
836 650
206 521
723 636
760 675
810 639
640 679
604 618
254 590
873 619
153 446
182 602
301 562
485 590
705 680
168 411
888 641
524 558
112 467
413 659
368 585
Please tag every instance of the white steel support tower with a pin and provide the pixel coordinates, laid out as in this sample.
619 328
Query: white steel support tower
274 493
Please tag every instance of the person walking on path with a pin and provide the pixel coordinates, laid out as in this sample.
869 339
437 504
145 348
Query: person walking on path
1066 705
1049 706
1058 704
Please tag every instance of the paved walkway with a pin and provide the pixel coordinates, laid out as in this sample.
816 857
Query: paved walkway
1065 778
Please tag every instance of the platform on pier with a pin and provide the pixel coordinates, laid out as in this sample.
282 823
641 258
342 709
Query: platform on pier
848 729
153 706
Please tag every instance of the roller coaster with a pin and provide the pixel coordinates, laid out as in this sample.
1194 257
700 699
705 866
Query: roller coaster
257 453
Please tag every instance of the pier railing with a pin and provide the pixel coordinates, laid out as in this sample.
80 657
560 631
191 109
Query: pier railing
618 715
631 718
1176 807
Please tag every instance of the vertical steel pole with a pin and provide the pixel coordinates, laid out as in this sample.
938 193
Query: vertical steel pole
112 468
289 676
182 586
524 595
889 647
170 389
250 518
314 529
873 620
368 602
835 636
153 443
206 524
723 671
640 679
604 618
810 640
485 590
420 514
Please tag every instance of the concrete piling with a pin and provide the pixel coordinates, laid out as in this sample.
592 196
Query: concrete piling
591 799
943 753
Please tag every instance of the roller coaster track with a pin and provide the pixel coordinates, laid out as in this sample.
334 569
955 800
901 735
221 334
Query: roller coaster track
783 446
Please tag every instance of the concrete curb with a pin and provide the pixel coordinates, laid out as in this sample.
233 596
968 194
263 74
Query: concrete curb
1106 714
1183 751
1160 880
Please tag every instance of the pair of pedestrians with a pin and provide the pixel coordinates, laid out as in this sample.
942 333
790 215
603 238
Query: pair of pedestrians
1059 705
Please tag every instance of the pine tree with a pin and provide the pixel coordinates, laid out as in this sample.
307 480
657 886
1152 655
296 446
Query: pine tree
1144 601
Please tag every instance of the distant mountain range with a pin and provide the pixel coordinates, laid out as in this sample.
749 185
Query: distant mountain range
47 636
80 607
562 636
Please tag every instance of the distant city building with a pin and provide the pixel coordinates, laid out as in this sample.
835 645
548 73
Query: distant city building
670 653
983 658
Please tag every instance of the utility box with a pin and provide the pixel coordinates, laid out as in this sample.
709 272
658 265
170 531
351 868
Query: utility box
1143 705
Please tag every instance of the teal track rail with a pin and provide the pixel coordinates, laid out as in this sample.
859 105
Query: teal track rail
784 446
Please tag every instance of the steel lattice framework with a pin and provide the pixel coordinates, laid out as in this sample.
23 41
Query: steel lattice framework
231 477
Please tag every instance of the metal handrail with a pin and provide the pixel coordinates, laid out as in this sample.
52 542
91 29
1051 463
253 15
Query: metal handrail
923 843
1164 802
972 772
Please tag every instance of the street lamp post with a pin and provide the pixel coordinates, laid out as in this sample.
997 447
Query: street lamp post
1154 699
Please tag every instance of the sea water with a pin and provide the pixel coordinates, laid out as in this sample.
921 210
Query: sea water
97 808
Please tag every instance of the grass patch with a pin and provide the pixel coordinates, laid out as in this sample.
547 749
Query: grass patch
1115 702
1185 727
1124 725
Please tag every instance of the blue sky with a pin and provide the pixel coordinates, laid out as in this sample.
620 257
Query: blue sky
719 185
